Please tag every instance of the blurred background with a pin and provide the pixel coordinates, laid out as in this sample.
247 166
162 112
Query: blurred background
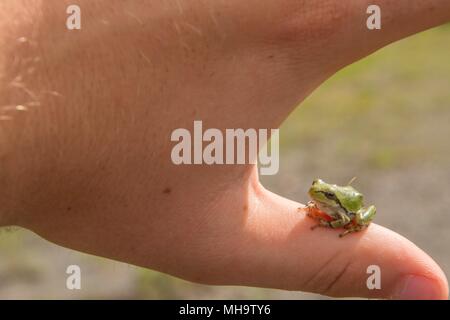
385 120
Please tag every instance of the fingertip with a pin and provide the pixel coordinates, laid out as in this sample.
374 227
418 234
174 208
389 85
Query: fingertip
410 273
414 287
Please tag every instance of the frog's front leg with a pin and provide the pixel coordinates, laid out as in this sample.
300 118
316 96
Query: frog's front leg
362 220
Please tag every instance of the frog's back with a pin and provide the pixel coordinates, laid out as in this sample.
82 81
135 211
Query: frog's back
350 198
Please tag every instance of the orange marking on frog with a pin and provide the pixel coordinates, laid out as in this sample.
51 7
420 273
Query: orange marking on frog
316 213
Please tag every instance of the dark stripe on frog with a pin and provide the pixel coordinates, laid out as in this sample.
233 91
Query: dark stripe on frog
333 197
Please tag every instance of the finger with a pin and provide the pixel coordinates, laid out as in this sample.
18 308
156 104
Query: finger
337 31
399 19
299 44
282 251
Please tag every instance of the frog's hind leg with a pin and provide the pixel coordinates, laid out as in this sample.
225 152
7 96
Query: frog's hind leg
365 217
321 224
362 221
351 230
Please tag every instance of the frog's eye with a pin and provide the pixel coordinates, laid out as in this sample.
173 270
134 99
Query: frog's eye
329 195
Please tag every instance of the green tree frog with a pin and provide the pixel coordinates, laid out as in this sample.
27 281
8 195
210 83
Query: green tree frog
338 207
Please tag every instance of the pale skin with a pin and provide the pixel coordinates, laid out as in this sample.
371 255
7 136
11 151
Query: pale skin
87 164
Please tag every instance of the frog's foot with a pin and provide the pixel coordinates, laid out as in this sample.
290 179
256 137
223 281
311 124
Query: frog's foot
321 224
346 232
309 214
352 229
314 227
309 206
305 210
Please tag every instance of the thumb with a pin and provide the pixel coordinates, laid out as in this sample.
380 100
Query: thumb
281 251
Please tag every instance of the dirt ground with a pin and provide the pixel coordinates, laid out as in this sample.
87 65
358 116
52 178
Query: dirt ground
385 120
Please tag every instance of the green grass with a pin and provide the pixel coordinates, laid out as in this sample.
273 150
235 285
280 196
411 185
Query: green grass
382 109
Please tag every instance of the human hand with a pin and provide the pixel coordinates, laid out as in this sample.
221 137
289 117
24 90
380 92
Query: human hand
88 165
